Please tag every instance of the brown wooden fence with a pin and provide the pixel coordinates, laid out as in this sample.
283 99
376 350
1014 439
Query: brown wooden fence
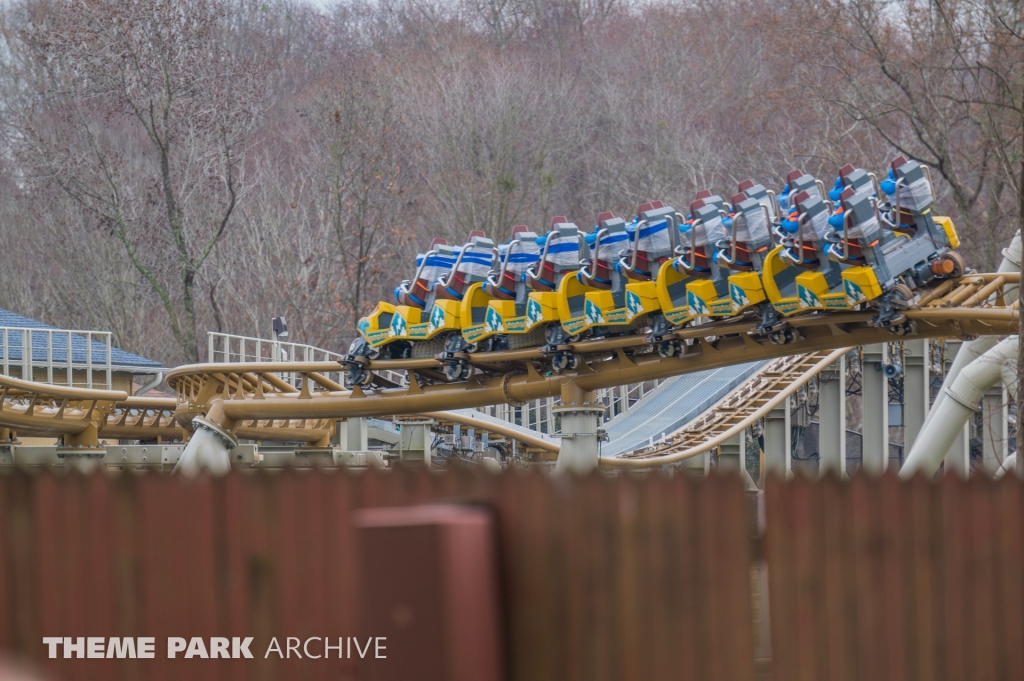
602 579
880 579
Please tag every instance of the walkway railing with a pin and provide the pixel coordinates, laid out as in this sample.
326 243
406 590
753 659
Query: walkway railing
54 352
231 348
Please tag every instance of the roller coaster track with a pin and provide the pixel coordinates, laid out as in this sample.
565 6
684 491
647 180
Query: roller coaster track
737 411
252 402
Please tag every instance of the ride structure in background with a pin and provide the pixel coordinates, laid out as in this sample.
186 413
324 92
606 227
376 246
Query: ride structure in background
627 303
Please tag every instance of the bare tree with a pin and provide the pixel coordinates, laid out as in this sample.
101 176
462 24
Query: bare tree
493 139
138 113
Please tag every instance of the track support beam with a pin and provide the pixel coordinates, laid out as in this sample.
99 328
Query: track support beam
996 437
832 420
916 389
958 458
778 440
580 418
875 407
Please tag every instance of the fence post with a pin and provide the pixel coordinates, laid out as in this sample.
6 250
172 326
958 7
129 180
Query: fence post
26 355
110 367
70 363
88 359
49 356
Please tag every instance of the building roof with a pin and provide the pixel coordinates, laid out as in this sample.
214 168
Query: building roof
13 340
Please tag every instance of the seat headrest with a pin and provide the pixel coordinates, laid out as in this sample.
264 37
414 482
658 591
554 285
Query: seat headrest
697 205
658 204
897 162
706 212
847 193
746 184
519 228
476 233
607 215
794 175
744 205
737 198
644 207
704 194
846 170
437 242
658 213
558 219
801 197
614 224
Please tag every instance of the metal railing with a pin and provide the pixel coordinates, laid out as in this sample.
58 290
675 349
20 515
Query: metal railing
539 414
39 347
230 349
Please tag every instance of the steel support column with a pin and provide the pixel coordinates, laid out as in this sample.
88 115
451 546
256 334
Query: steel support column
832 419
875 410
995 435
958 458
916 389
580 418
415 439
352 435
732 457
778 445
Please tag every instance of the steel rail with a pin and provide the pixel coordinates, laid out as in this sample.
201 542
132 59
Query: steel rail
507 431
52 390
791 383
598 374
251 393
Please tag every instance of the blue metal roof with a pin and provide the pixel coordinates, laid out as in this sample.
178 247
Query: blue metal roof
672 405
79 346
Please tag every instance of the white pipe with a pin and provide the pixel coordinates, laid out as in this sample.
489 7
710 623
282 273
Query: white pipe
154 383
949 416
207 449
1008 464
973 349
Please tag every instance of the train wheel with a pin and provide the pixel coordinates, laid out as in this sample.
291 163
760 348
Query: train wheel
564 362
457 371
903 292
670 349
901 328
949 265
782 337
554 334
360 377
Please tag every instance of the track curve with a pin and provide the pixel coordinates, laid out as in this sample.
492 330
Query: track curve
255 403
